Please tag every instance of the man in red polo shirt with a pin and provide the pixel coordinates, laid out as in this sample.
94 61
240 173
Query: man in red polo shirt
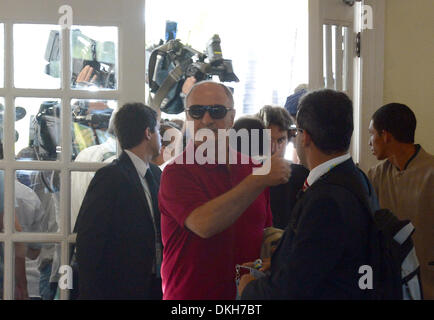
212 215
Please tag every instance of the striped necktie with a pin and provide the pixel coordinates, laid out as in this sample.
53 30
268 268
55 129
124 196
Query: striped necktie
305 185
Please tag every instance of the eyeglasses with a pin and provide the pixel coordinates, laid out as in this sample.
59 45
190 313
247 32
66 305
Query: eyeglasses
216 111
293 131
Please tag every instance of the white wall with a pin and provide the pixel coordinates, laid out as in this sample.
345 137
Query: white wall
409 62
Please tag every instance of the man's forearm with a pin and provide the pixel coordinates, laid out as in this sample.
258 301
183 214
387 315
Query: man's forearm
218 214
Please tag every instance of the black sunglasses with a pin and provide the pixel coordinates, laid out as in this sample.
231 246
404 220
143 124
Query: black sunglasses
216 111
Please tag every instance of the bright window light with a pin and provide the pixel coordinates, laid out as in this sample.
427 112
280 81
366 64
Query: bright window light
267 42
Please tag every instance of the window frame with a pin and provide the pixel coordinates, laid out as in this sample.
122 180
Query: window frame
130 20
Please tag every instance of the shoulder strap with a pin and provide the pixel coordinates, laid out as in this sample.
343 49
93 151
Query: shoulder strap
349 181
172 79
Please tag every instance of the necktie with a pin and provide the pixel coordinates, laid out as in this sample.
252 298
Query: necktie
305 185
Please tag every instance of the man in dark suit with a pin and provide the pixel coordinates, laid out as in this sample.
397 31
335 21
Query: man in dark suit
326 241
118 227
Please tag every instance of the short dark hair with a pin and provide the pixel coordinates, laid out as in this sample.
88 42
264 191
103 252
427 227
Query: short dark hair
398 120
327 115
278 116
131 121
249 123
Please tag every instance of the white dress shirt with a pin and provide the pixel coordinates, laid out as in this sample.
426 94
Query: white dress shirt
29 213
325 167
80 180
141 168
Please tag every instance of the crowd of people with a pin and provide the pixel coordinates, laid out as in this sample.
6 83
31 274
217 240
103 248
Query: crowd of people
159 222
201 220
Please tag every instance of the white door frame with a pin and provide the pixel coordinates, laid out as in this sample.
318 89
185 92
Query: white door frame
337 13
129 17
372 82
368 88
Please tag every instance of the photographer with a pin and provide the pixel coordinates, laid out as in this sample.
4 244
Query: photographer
104 152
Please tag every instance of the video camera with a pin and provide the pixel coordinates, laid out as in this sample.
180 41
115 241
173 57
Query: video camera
45 128
216 65
171 63
87 52
96 119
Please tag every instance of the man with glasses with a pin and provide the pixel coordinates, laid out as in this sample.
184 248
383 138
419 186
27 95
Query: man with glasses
213 214
283 196
327 239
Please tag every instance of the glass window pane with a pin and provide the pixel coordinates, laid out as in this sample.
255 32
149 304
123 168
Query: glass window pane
37 56
345 71
80 180
94 58
93 137
2 263
36 276
2 198
38 133
2 41
2 108
37 200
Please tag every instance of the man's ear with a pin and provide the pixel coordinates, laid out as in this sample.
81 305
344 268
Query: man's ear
148 134
306 139
387 137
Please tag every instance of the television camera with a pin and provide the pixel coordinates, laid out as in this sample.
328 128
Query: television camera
171 63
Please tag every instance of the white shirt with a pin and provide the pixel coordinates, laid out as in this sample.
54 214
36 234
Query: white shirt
141 168
325 167
80 180
29 213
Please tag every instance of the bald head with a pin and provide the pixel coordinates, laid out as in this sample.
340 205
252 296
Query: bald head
206 90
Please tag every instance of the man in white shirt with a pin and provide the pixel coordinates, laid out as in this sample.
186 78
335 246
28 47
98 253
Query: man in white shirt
80 180
29 214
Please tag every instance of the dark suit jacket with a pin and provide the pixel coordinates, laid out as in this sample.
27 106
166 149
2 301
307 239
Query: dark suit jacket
284 196
323 247
116 235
